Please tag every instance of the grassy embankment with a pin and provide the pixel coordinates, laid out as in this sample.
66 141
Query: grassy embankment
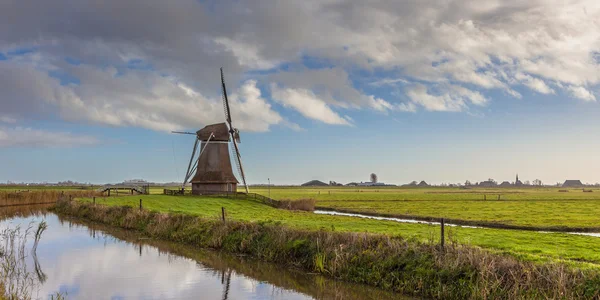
390 262
524 244
536 208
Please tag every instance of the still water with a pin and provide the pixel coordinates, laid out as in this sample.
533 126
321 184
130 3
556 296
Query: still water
88 261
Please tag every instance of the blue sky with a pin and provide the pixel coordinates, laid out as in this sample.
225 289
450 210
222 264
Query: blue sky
319 90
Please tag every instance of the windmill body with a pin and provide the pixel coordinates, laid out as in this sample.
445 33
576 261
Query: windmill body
214 173
211 170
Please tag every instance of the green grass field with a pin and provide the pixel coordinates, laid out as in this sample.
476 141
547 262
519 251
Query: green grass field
535 207
525 244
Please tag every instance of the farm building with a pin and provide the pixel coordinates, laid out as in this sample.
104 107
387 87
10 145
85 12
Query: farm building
505 184
315 183
423 184
572 183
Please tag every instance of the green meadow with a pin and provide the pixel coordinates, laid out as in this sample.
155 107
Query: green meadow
580 250
532 207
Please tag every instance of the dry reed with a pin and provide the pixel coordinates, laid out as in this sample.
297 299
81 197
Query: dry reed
41 197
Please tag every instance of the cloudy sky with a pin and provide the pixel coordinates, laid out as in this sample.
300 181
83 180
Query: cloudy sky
333 90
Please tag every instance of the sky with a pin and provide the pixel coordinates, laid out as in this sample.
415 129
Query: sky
435 90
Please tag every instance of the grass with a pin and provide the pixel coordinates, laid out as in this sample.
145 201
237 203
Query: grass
523 244
545 208
390 262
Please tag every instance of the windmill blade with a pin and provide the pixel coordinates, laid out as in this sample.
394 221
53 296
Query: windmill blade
183 132
188 174
238 162
226 102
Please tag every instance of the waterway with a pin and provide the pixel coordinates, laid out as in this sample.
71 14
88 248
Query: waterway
88 261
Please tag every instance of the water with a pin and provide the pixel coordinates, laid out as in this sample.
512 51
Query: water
400 220
86 261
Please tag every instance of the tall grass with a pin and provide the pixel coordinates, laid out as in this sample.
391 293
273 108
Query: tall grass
307 204
16 281
41 197
388 262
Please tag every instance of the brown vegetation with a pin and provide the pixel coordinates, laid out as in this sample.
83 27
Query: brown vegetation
300 204
389 262
41 197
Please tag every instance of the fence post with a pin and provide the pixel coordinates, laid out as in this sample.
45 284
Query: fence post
484 197
140 204
442 233
498 197
223 213
94 201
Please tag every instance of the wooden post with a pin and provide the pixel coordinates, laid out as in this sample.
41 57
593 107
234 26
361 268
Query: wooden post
140 204
132 191
498 197
223 213
94 200
109 192
484 197
442 233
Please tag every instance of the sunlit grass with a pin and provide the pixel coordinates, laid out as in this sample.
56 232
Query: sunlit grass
526 244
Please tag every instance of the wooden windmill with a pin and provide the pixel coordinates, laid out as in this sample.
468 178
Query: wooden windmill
211 169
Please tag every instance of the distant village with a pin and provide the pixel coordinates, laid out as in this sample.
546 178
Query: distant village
571 183
373 182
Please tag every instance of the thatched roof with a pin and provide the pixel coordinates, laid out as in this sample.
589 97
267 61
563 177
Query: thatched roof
315 183
220 130
572 183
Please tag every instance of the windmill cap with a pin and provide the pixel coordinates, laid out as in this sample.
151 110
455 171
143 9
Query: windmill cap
220 131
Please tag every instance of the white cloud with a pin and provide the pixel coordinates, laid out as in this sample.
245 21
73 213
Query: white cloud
28 137
476 45
307 104
450 98
7 119
533 83
581 93
136 98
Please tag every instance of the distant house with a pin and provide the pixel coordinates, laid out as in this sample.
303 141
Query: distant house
422 183
488 183
371 184
315 183
572 183
352 184
505 184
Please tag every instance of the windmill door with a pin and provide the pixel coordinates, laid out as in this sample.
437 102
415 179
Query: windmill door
229 187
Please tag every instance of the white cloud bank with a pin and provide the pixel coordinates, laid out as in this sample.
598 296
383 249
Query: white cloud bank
445 54
28 137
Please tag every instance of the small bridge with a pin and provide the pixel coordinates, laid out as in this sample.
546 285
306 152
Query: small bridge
125 189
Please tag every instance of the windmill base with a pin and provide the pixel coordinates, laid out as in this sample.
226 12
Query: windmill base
213 188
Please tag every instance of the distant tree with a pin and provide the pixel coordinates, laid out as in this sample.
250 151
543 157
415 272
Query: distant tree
537 182
467 183
492 180
527 182
413 183
373 178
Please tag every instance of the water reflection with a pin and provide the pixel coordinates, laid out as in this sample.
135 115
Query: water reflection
95 262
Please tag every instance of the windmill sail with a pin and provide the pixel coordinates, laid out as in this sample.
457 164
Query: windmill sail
235 136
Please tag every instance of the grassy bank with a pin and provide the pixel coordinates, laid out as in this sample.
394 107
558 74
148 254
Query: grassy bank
523 244
404 265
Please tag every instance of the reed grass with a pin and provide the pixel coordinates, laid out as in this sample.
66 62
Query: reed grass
16 282
41 196
389 262
307 204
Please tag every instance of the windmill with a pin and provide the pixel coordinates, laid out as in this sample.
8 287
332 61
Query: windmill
211 170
